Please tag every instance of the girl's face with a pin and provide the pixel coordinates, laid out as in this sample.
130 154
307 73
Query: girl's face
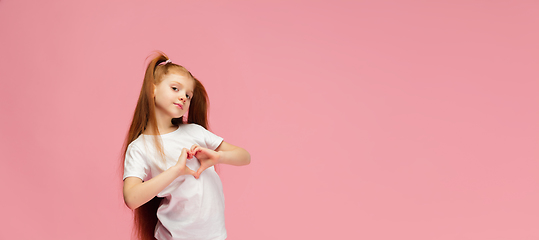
173 95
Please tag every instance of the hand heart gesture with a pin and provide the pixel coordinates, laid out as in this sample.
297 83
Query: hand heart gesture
206 157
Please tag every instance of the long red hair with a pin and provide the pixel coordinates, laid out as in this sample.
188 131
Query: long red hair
145 218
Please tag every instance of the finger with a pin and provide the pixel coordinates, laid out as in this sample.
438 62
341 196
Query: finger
198 149
183 155
192 150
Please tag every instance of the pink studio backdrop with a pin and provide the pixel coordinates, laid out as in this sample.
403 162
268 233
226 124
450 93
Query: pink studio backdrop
365 119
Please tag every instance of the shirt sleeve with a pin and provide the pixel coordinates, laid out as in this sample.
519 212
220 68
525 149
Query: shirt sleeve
212 141
135 164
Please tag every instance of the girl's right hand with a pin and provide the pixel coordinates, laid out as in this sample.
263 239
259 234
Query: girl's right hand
180 165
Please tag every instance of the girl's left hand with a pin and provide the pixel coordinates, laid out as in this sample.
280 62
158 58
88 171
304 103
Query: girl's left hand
205 156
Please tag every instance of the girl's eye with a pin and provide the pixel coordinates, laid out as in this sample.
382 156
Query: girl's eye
175 88
188 97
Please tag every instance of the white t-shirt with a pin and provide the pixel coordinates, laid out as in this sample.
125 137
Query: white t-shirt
192 208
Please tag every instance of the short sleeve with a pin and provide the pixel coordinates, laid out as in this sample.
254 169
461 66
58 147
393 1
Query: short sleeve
135 164
212 141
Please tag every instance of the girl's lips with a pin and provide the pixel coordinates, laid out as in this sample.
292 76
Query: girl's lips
180 106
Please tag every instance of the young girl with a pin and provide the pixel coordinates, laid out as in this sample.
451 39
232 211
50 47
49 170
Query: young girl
169 175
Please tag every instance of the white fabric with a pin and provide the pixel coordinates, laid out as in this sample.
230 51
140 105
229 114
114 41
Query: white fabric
192 208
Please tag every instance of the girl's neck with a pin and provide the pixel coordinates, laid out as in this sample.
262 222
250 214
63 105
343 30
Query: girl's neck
164 125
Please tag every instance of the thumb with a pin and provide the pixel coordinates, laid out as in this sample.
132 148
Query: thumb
189 171
200 170
183 156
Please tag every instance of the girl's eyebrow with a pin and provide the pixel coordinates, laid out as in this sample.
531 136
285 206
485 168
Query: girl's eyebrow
176 82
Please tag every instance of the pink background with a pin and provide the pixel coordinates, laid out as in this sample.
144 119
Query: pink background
364 119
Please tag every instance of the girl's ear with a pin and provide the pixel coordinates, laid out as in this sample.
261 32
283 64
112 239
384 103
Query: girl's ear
154 89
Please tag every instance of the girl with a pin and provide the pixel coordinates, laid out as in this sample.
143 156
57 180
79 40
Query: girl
169 176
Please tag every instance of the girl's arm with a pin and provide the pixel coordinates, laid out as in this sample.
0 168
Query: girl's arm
233 155
137 193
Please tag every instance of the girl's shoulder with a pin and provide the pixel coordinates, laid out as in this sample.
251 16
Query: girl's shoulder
138 143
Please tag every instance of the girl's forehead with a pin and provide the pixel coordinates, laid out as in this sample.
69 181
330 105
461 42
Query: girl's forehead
179 78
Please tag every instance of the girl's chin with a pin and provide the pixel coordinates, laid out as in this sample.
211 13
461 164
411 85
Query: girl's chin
177 116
